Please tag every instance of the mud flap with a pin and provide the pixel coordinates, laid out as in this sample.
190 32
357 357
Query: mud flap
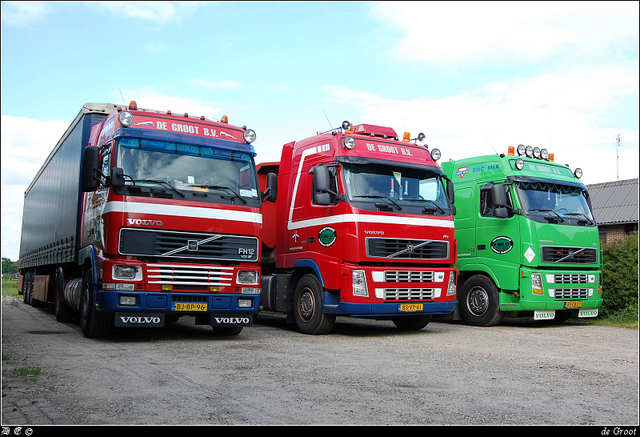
231 320
139 320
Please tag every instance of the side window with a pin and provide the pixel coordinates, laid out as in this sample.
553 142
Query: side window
105 165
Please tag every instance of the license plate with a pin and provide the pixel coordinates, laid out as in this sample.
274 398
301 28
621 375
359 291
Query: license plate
404 307
188 306
573 304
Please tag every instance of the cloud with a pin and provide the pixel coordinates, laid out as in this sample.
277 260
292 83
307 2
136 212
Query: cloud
152 11
571 114
485 32
149 98
21 13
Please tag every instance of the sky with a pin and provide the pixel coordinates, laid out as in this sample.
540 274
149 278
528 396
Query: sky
474 77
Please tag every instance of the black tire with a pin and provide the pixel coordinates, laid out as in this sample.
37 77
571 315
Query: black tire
479 302
27 287
308 307
234 330
93 323
63 312
411 323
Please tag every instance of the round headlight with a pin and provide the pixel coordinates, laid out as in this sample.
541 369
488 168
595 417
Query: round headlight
420 137
249 135
435 154
519 164
528 151
536 152
346 125
125 118
578 173
521 149
544 154
349 143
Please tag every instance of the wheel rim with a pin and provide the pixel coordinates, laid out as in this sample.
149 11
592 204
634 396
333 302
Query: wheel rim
306 305
478 301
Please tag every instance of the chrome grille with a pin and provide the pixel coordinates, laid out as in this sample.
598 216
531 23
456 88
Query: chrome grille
570 278
570 293
409 293
408 276
174 274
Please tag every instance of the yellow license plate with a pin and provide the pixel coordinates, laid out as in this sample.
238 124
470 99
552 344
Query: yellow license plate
184 306
573 304
411 307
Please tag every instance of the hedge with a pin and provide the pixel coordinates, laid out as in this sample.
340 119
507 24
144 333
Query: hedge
620 277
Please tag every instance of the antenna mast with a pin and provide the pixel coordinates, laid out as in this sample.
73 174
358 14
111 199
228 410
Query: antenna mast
617 157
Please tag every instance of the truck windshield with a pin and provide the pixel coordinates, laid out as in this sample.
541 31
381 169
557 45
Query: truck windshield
185 168
558 203
384 187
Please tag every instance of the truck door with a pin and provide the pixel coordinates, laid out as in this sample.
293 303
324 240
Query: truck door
498 242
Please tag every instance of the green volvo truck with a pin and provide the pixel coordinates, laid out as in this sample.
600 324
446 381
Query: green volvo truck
527 239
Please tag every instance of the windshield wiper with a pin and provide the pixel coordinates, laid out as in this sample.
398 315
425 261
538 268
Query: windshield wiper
382 197
548 210
587 219
163 183
220 187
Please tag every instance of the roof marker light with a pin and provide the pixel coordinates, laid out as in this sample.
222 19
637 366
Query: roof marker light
202 117
347 127
169 112
224 119
511 151
528 151
249 136
186 114
125 118
536 152
551 157
544 154
349 143
406 137
133 105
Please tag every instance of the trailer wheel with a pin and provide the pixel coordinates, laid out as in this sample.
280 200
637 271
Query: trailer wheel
479 302
92 323
411 323
307 312
62 310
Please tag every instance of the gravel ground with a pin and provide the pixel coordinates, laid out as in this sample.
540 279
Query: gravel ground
364 373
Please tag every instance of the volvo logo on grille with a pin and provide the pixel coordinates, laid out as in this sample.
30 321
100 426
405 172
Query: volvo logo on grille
409 248
192 245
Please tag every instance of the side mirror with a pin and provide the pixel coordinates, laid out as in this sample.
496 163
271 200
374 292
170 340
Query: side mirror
450 192
117 177
500 200
90 163
499 194
271 192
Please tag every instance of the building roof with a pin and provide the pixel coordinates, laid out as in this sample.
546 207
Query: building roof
615 202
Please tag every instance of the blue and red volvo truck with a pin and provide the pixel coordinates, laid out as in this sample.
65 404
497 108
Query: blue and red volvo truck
139 217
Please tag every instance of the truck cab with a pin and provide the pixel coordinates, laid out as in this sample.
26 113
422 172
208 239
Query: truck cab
362 226
528 242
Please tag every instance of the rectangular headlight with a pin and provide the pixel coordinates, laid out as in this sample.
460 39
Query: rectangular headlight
359 282
245 303
536 284
126 273
249 277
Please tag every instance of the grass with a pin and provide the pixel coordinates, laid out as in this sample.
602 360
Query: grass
9 287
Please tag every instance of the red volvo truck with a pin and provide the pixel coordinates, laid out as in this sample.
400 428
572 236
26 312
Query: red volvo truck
138 217
361 226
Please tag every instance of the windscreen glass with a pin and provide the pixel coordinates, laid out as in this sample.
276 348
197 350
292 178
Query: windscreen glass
550 202
412 191
187 168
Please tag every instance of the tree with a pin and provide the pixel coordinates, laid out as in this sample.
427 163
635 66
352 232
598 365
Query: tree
9 266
